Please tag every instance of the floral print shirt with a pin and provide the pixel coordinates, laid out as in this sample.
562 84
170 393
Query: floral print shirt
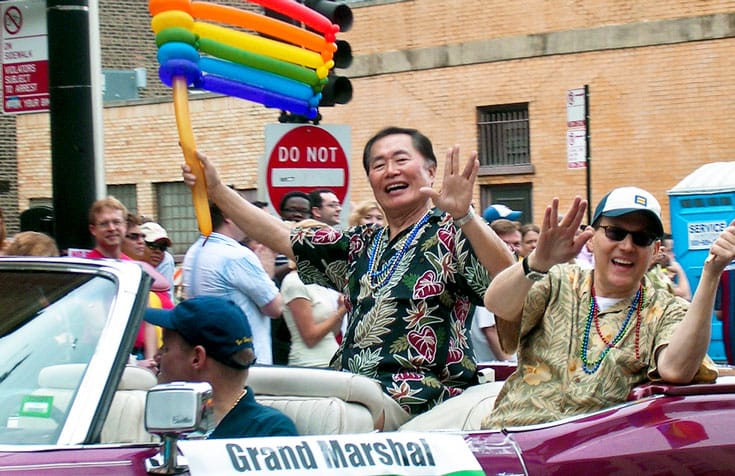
550 382
410 330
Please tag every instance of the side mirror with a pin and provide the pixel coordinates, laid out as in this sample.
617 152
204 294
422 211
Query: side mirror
173 410
179 408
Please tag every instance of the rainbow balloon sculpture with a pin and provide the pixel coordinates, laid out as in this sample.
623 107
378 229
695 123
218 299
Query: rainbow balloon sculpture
287 70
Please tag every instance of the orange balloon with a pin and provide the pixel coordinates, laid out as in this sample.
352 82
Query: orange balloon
188 145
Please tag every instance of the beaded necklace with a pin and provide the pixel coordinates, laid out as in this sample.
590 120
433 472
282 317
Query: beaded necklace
591 367
379 277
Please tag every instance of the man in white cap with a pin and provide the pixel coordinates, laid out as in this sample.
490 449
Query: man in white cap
587 337
157 243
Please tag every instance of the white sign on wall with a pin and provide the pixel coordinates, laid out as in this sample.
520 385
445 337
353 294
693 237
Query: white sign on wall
701 235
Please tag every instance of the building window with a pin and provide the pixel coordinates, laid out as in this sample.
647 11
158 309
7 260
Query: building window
127 194
504 145
515 196
40 202
176 215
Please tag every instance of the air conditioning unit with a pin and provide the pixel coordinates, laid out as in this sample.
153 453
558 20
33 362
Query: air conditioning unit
119 85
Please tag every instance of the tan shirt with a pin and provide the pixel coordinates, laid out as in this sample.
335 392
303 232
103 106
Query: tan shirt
550 383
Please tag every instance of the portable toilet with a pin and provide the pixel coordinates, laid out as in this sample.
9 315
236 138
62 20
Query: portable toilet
702 206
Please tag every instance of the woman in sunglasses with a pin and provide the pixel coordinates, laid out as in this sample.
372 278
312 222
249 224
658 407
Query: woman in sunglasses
586 337
157 243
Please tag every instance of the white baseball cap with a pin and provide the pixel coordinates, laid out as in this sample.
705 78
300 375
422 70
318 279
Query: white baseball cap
624 200
153 232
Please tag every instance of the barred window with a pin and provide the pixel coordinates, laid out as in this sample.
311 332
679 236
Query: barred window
176 215
503 133
127 194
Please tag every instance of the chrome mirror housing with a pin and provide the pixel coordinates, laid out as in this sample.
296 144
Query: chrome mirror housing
173 410
179 408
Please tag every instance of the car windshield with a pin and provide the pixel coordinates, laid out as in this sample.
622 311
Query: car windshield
50 323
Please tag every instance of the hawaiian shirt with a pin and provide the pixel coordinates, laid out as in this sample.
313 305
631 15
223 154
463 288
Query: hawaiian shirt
550 382
410 317
660 278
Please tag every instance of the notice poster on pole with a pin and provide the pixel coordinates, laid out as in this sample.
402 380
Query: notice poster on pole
576 148
24 57
576 129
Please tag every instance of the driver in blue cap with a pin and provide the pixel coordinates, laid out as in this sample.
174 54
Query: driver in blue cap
208 339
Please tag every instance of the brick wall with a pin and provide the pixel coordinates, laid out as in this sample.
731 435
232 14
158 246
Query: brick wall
657 112
423 23
127 41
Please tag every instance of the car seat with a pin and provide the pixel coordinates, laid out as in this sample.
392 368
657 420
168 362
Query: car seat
320 401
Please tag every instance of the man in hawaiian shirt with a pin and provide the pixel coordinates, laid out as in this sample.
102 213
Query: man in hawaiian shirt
585 338
411 284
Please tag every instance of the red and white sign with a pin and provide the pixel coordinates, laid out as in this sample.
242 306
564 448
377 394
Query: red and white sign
305 158
576 148
576 116
24 57
576 129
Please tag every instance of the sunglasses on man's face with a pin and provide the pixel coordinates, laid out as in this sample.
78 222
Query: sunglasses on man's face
615 233
157 246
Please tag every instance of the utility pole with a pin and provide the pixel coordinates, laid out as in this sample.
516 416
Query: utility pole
74 118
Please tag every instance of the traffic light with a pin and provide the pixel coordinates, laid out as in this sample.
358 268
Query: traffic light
338 89
338 12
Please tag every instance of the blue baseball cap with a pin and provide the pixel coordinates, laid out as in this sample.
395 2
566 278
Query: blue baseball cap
624 200
215 323
495 212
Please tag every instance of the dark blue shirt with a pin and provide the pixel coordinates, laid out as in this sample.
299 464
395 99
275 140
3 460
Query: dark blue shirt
251 419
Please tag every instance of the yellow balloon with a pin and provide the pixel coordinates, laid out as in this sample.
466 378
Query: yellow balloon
171 18
188 145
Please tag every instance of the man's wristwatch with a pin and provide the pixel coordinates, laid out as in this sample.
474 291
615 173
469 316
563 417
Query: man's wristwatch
531 273
462 221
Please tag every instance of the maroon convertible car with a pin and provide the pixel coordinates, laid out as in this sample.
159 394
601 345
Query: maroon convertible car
71 403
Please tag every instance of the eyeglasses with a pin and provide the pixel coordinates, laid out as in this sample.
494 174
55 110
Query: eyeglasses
106 223
134 236
156 246
640 238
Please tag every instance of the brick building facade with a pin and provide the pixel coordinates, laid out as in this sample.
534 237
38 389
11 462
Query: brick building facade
659 75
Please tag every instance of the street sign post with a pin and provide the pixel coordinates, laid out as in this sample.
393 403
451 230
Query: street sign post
578 136
305 158
24 57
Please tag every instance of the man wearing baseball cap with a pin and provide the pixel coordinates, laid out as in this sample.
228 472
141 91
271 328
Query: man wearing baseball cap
498 211
157 242
586 337
208 339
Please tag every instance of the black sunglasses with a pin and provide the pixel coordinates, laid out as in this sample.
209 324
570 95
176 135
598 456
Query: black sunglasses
640 238
156 246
